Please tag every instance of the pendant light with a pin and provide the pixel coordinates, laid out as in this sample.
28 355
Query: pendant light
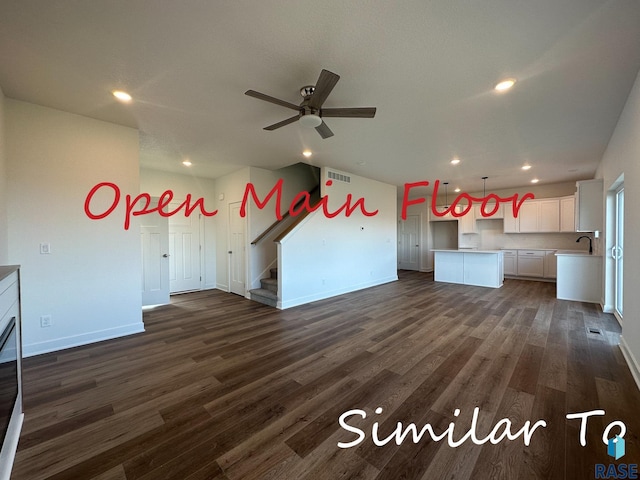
484 187
446 197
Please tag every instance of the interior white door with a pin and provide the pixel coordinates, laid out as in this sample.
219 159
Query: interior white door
154 238
237 250
184 253
409 243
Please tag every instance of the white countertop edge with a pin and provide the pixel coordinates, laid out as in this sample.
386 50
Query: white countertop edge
575 253
464 250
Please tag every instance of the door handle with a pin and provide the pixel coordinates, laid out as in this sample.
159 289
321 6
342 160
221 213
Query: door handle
229 252
166 255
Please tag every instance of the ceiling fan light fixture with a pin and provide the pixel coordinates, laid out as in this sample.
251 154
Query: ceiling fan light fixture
505 85
310 120
122 96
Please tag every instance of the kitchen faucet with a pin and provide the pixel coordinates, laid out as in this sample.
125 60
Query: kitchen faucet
588 238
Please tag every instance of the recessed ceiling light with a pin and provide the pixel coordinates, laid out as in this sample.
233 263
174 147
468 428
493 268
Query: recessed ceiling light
455 161
505 85
535 180
187 163
526 167
457 189
122 96
307 153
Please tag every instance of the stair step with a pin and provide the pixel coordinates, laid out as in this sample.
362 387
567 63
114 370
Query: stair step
269 284
264 296
274 273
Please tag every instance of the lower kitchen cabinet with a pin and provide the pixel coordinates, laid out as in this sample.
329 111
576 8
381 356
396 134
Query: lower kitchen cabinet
550 264
531 263
510 262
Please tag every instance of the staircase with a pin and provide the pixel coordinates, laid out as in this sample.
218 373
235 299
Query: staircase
268 291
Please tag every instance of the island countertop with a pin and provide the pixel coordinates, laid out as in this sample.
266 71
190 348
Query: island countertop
464 250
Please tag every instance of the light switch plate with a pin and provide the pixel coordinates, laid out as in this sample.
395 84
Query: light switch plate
45 248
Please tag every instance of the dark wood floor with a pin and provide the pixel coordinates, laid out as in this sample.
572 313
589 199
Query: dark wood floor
219 387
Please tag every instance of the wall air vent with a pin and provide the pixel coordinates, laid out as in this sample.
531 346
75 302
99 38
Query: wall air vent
338 177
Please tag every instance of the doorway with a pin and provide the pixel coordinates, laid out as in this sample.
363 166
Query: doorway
237 250
154 236
185 249
409 243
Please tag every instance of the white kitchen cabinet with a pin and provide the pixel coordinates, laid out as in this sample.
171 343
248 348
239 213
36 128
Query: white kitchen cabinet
491 205
549 215
510 223
448 217
531 263
568 214
528 217
550 264
534 216
467 223
510 262
589 205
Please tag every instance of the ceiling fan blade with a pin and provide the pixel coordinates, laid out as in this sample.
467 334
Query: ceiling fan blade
326 81
324 130
360 112
282 123
267 98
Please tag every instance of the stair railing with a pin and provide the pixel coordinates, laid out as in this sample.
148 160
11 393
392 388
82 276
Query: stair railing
286 215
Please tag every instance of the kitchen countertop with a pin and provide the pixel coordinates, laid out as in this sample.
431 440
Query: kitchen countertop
576 253
464 250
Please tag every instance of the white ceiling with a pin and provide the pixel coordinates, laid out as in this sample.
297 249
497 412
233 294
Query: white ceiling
428 67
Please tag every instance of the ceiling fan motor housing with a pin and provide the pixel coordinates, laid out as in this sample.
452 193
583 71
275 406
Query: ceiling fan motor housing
307 91
310 117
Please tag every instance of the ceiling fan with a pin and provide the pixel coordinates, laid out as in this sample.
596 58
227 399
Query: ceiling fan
310 111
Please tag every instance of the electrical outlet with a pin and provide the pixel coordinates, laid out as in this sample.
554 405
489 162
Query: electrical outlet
45 321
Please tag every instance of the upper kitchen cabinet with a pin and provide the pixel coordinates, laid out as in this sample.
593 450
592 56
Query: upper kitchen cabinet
535 216
549 215
467 223
589 205
568 214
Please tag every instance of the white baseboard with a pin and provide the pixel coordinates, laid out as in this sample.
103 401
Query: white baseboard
38 348
332 293
606 308
631 361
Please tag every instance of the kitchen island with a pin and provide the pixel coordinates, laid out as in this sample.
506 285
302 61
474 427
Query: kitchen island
579 276
483 268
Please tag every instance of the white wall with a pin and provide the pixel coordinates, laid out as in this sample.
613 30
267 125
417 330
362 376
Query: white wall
231 187
4 229
263 256
155 182
90 283
324 257
623 157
